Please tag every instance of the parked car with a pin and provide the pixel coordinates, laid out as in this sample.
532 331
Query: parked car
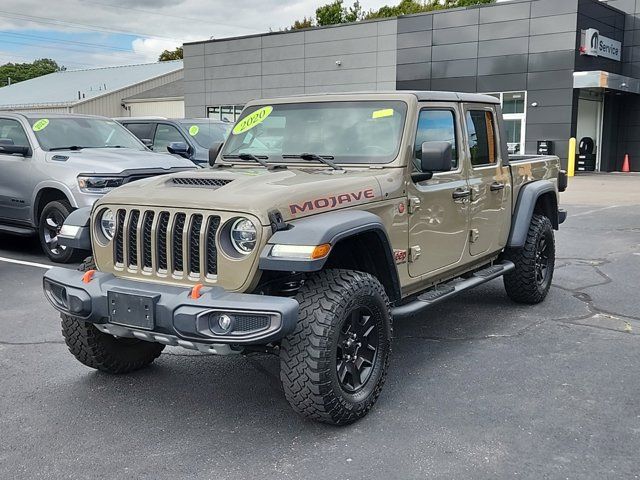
368 208
190 137
51 164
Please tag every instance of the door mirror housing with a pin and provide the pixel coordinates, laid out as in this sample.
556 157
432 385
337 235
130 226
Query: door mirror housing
214 151
147 142
179 148
15 150
435 157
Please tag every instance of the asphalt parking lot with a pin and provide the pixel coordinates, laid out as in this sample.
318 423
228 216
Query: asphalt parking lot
478 388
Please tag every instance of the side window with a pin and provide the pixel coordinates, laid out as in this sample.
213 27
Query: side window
141 130
436 126
12 133
482 137
165 134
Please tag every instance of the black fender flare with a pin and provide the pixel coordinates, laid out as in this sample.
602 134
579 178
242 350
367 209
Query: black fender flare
330 228
80 237
525 206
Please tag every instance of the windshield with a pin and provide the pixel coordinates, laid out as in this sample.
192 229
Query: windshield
205 133
82 132
362 132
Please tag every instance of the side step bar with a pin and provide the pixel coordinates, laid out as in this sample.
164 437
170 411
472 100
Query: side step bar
16 230
448 290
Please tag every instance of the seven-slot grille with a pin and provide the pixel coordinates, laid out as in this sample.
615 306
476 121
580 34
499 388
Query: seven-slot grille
179 243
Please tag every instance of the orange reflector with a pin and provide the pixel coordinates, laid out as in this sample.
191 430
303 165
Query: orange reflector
320 251
88 276
195 291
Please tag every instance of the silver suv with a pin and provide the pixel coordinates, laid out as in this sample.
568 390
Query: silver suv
51 164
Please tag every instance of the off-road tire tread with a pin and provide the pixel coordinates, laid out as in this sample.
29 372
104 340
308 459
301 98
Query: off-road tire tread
101 351
305 363
520 284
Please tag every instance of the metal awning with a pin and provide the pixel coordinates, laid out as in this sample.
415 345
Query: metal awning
610 81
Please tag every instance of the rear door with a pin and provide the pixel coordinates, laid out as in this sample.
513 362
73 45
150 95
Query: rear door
489 181
439 214
16 178
143 130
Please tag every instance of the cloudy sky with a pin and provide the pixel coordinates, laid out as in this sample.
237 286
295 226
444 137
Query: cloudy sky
86 33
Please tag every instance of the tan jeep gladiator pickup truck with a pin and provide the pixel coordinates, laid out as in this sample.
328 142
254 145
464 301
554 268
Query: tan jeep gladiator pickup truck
321 220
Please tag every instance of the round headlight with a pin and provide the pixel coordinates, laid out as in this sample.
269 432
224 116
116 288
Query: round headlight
244 235
108 224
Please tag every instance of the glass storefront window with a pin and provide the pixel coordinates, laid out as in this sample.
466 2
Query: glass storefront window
513 102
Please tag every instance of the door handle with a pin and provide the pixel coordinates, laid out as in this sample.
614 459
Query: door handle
461 194
496 187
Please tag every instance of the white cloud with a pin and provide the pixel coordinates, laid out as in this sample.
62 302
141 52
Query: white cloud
150 48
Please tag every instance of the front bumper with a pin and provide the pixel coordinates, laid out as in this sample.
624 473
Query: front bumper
168 314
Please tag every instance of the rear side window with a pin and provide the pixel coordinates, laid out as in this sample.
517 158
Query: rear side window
12 133
166 134
144 131
436 126
482 137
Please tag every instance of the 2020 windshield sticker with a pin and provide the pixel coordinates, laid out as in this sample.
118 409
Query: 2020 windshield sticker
193 130
40 124
387 112
251 120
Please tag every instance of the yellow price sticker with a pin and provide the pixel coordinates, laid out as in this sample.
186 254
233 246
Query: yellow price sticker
387 112
40 124
193 130
251 120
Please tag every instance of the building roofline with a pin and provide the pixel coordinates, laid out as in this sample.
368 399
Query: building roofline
155 99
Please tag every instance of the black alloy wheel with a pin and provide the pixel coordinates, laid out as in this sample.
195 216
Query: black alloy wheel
357 349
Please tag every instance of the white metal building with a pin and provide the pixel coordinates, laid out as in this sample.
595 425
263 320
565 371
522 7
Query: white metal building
163 101
97 91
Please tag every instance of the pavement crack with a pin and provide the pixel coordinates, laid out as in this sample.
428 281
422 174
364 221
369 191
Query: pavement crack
519 333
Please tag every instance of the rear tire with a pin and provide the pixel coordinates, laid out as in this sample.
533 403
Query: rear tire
51 219
531 280
334 364
102 351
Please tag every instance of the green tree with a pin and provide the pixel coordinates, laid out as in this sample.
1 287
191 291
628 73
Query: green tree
19 72
335 12
301 24
169 55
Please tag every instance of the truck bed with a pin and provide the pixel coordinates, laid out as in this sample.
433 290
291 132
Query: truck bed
528 168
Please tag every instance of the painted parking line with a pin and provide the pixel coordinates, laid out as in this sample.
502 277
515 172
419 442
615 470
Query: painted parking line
24 262
589 212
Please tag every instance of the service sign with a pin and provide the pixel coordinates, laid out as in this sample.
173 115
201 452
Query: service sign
596 45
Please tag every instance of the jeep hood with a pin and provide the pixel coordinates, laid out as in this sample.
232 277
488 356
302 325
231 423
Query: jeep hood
115 160
295 192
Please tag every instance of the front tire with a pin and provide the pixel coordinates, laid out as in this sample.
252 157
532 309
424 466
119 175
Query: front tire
51 219
102 351
531 280
334 364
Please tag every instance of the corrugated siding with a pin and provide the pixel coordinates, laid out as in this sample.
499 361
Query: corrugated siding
111 105
172 109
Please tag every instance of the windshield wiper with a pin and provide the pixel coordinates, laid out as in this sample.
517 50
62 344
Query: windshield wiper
326 159
249 156
72 147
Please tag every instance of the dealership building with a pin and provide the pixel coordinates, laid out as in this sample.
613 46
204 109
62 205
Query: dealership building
561 68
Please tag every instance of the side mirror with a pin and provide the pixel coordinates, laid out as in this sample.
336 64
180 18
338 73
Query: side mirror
435 157
147 142
15 150
179 148
214 151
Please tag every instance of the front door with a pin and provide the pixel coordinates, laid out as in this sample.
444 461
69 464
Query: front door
489 180
15 174
439 216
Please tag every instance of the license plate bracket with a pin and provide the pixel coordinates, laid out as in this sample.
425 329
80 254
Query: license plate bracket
132 310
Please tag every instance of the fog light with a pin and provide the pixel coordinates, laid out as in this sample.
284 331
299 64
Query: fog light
224 322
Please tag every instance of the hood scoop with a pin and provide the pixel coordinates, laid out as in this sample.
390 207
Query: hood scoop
200 182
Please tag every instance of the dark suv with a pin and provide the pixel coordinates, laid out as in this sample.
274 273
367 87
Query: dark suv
190 137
